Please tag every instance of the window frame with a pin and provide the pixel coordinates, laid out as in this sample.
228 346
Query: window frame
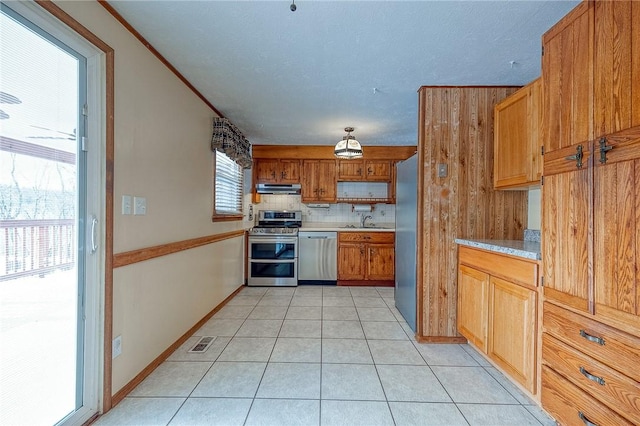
223 217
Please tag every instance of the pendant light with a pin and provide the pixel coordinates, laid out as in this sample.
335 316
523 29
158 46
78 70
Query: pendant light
348 148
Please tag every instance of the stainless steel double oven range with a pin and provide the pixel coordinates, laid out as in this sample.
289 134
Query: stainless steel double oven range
273 248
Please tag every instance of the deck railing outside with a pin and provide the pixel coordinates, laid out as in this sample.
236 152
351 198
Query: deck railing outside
36 247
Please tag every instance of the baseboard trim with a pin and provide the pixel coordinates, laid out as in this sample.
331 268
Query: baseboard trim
369 283
126 389
440 339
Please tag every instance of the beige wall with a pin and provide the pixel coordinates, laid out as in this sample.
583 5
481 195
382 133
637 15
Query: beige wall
162 135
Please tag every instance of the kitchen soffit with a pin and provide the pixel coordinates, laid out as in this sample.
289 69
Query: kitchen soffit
300 77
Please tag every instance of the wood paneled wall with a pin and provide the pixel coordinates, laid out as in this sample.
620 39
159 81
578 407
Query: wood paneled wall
456 129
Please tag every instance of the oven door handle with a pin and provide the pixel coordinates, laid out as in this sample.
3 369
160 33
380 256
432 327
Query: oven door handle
272 261
269 240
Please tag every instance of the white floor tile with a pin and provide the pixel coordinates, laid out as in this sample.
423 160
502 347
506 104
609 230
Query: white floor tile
268 312
288 380
411 383
509 386
337 301
346 351
172 379
296 350
472 385
351 381
281 291
242 300
446 355
339 313
233 312
369 302
268 300
342 330
394 352
336 291
541 415
306 301
213 411
383 330
248 349
355 413
231 379
497 415
364 292
426 414
308 290
220 327
272 412
376 314
253 291
301 328
304 313
260 328
141 411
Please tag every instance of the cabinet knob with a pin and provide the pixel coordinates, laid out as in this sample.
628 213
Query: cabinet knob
370 171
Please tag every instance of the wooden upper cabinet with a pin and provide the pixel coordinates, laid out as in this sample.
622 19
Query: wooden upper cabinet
378 170
350 170
364 170
277 171
617 66
567 73
319 181
517 144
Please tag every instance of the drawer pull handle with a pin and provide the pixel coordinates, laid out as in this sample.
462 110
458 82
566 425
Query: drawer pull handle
594 339
586 421
598 380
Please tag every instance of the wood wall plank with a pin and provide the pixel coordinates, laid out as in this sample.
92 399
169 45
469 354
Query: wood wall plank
456 128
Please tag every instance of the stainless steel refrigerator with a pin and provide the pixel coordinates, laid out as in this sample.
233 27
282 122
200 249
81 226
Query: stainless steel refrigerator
406 223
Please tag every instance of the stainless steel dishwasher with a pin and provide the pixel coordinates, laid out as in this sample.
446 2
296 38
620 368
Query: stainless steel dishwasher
317 257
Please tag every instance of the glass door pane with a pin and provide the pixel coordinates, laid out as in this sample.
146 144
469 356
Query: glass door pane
42 220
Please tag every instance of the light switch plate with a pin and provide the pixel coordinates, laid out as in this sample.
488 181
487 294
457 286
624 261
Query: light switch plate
139 206
126 204
442 170
116 347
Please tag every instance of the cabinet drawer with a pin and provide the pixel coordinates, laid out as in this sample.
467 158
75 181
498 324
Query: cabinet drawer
570 406
618 392
515 270
367 237
614 348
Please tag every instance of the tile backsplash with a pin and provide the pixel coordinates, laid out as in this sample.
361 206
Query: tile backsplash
335 213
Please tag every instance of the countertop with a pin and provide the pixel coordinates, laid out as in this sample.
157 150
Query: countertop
342 227
520 248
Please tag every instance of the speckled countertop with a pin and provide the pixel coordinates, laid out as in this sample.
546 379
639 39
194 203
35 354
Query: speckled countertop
524 249
342 227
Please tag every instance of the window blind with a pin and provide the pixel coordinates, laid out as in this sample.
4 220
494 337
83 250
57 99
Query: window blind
228 197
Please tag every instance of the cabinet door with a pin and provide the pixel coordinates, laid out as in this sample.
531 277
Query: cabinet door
567 194
327 181
267 171
512 330
617 231
567 72
350 170
378 170
289 171
351 258
473 293
381 262
617 66
511 162
309 183
535 133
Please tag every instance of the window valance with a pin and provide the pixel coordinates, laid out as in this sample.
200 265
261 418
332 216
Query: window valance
228 139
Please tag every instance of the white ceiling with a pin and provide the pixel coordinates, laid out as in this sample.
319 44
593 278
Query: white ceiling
300 77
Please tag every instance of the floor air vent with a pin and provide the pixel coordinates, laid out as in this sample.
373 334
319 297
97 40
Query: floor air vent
202 345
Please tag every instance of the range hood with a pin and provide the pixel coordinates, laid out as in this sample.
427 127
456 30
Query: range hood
278 188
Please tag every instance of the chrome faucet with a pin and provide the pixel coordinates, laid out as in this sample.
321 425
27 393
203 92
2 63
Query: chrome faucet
364 220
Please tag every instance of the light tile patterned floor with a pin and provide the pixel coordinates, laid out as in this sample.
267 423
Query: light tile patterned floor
314 355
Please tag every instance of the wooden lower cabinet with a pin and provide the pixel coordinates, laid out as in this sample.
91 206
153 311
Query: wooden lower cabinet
473 315
512 330
498 314
366 256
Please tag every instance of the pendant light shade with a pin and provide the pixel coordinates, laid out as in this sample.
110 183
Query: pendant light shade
348 148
